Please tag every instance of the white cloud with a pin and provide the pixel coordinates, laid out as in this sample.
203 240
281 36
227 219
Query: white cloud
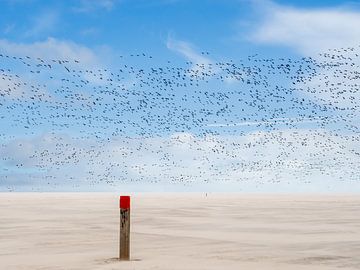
316 158
312 32
52 48
13 87
55 49
50 51
309 31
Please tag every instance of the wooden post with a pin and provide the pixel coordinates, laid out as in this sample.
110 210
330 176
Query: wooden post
124 247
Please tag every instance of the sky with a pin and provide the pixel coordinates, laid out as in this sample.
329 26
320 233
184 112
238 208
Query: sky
103 34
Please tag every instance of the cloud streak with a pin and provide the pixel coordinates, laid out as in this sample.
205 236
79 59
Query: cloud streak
52 48
43 24
87 6
293 120
187 50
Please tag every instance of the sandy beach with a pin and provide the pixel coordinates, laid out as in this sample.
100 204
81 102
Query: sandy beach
180 231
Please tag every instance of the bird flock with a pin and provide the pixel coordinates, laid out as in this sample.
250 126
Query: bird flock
143 121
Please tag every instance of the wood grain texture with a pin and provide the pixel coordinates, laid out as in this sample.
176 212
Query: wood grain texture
124 252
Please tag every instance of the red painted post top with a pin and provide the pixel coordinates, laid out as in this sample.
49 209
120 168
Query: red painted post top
125 202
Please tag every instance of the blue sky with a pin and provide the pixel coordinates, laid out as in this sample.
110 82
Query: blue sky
103 34
130 26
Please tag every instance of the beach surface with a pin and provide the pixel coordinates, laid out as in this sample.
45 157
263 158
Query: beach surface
180 231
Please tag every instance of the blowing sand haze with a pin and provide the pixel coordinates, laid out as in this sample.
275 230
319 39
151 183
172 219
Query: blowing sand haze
180 231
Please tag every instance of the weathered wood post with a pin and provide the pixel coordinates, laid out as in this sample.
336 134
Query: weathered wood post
124 247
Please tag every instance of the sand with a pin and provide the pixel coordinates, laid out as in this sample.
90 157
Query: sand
180 231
